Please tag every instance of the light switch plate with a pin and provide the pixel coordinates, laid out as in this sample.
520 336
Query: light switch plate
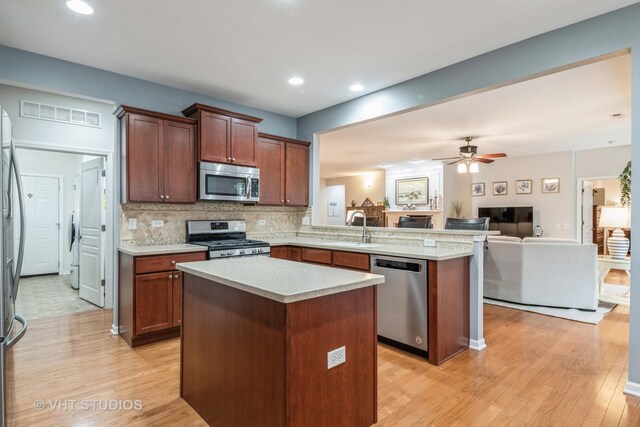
157 223
565 226
262 222
336 357
429 243
133 223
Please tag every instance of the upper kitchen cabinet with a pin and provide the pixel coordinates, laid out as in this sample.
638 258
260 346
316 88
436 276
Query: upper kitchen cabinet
225 136
158 157
284 171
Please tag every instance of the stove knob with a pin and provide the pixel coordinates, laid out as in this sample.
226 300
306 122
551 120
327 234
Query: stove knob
260 250
241 252
254 251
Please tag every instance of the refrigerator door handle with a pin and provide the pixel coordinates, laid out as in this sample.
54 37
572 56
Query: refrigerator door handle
16 170
13 340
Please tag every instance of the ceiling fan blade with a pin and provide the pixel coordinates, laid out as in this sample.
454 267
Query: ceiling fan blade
453 163
492 155
447 158
481 160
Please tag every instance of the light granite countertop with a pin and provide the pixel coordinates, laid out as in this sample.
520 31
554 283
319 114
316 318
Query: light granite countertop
419 252
161 249
280 280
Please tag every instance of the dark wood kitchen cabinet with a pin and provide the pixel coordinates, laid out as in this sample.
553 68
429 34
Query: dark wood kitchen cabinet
159 157
284 171
150 296
225 136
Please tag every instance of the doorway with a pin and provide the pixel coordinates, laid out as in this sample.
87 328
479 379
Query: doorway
64 259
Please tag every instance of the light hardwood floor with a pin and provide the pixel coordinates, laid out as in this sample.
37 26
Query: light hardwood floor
537 370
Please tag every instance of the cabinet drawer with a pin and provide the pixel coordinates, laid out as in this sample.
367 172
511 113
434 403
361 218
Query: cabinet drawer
281 252
319 256
353 260
150 264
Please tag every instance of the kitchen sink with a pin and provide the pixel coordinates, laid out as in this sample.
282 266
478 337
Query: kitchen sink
356 244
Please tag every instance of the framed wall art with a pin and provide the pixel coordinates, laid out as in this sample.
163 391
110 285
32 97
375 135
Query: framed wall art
500 188
524 186
412 191
477 189
550 185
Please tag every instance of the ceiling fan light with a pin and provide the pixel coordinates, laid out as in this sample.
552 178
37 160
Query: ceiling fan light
473 168
462 167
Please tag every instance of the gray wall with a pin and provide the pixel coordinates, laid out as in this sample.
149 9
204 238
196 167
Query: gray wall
582 41
50 73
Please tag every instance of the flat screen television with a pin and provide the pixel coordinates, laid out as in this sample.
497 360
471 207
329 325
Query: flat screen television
510 221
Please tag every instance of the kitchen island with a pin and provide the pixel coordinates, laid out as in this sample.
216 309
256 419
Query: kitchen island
256 338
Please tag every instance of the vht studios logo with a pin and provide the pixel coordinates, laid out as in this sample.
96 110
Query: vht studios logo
88 405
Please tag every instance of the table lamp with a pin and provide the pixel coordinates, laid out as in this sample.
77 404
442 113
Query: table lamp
618 218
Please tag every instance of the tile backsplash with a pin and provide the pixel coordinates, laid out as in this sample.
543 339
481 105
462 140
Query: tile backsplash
279 220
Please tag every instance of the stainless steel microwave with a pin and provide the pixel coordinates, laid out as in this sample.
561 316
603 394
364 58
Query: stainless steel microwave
222 182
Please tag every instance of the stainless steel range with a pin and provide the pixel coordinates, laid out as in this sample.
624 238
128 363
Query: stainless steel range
225 239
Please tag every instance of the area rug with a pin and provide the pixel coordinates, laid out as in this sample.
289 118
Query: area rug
593 317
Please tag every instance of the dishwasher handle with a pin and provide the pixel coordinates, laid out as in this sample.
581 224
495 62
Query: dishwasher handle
402 265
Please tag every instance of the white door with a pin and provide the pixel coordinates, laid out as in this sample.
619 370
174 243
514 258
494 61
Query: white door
587 212
91 234
42 225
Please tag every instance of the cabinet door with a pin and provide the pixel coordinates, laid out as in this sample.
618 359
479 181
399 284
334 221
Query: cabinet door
144 159
154 302
280 252
177 298
271 155
244 142
297 175
179 163
215 136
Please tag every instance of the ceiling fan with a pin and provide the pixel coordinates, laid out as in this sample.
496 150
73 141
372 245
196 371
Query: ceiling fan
469 157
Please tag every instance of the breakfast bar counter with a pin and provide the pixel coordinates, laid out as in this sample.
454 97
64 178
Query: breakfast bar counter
273 342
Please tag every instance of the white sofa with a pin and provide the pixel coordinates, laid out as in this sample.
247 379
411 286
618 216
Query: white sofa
541 271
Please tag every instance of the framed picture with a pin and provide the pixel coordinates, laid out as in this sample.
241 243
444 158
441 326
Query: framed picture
500 188
410 191
550 185
524 186
477 189
367 202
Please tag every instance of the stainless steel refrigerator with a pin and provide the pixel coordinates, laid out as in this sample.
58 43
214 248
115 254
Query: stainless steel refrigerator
13 326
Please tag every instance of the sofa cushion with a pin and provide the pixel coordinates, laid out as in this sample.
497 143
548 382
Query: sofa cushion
550 240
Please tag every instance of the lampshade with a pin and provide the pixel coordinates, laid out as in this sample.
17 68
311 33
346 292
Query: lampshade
614 217
473 168
462 167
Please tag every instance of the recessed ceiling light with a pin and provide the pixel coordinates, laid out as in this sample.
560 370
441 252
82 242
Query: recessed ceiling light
384 166
296 81
356 87
416 162
80 7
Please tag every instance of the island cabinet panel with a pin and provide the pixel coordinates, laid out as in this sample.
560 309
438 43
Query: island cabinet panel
448 308
158 157
318 256
295 254
252 361
150 296
225 136
281 252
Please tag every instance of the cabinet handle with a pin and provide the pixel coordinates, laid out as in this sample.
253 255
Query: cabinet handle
162 197
173 263
233 159
166 197
229 158
175 276
281 201
171 276
288 201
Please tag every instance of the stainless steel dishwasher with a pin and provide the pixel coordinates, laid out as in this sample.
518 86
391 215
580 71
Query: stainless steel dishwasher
402 302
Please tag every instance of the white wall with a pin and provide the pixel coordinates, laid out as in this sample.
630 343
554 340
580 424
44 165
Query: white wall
555 213
602 162
456 187
359 187
66 165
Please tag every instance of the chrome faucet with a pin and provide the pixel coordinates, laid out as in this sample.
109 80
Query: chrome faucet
366 237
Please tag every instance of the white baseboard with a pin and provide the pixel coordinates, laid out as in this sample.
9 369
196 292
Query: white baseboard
115 330
64 272
632 389
477 344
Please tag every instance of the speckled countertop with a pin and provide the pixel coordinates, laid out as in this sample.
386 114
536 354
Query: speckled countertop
280 280
420 252
161 249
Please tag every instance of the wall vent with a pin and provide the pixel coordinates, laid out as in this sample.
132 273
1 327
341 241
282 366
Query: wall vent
72 116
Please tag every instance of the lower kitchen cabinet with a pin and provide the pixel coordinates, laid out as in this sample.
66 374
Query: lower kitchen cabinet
338 259
150 296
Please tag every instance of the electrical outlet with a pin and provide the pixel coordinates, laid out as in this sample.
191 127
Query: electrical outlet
262 222
336 357
157 223
133 223
430 243
305 220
